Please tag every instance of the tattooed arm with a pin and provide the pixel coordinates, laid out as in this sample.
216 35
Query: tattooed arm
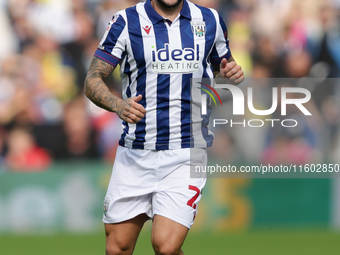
97 91
229 69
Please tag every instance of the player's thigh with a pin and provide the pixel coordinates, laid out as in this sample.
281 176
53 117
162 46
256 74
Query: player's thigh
167 236
121 237
178 195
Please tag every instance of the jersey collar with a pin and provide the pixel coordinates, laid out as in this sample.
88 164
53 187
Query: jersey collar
155 17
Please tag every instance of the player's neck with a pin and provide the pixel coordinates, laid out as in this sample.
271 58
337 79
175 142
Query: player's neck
169 13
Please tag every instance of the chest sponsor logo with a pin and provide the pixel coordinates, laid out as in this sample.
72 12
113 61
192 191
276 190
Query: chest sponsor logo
168 60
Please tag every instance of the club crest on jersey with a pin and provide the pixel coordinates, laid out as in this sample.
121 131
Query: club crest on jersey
198 28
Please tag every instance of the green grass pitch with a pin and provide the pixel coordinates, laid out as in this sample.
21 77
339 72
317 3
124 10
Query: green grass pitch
252 242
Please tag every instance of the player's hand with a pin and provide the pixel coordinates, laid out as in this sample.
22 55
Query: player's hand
130 110
232 71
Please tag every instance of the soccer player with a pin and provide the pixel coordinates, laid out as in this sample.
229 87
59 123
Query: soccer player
160 45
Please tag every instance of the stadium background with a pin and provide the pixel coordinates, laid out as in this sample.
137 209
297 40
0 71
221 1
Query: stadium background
56 148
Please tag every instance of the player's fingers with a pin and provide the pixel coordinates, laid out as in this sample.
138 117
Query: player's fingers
129 110
233 71
136 112
131 117
137 98
236 75
239 80
229 67
223 64
129 120
133 101
138 106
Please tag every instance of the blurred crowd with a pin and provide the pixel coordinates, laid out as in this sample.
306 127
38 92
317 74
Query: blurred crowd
47 45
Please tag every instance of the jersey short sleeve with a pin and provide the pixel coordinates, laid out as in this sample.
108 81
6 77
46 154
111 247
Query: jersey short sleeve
112 46
221 47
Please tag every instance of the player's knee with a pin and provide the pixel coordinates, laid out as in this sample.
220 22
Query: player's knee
166 249
117 248
113 250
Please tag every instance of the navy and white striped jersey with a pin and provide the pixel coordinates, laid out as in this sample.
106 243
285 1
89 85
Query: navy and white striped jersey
158 58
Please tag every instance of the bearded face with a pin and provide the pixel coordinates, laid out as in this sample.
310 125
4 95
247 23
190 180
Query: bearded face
169 3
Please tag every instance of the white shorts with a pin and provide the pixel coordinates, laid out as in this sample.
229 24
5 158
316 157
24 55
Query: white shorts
154 182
